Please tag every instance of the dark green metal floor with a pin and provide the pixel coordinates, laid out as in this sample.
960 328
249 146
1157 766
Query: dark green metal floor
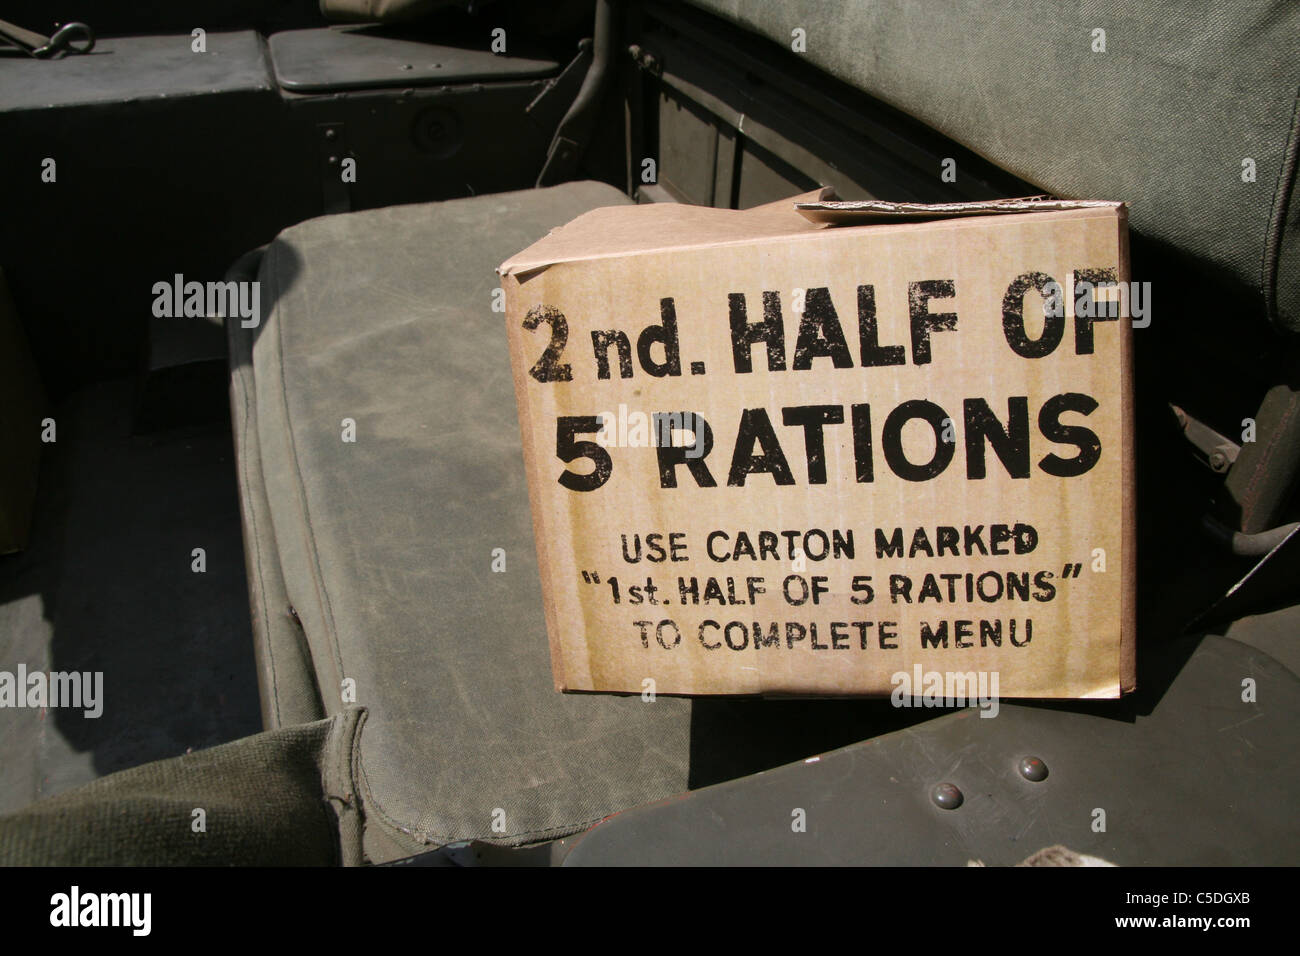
106 584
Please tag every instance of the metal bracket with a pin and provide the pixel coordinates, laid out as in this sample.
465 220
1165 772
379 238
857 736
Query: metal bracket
643 58
1217 452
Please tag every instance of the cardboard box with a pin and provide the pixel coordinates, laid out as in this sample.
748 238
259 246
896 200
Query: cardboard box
22 404
777 452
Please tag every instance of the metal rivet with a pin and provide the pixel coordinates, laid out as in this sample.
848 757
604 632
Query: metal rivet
1031 768
946 796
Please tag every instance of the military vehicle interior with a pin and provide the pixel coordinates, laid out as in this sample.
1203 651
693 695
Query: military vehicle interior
305 634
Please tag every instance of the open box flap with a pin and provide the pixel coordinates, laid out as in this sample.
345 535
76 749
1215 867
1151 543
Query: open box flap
829 211
614 231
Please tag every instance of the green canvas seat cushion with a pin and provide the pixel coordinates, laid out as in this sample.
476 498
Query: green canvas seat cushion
286 679
383 546
1164 118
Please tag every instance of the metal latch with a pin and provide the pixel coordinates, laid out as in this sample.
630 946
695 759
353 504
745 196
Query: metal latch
64 40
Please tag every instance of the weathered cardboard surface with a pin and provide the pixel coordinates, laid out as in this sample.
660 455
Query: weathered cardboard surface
612 269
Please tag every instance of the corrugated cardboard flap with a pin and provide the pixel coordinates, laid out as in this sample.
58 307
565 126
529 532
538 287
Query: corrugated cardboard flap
615 231
828 211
